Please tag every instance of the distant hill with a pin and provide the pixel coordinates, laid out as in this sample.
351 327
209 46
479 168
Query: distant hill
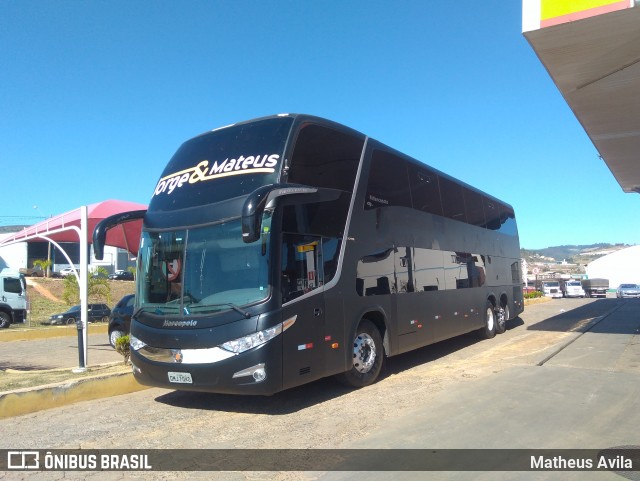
572 254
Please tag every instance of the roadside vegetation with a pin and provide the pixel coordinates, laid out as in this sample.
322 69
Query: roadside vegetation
533 295
123 347
47 297
98 288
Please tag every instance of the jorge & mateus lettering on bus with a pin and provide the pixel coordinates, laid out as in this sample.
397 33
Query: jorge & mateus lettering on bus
253 164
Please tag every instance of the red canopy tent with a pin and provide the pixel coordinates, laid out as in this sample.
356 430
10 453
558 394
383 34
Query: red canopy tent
57 228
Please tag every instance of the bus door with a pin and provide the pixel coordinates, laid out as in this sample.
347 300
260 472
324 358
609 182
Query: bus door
302 280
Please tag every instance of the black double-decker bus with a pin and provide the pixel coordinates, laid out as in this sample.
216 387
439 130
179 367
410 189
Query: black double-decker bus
281 250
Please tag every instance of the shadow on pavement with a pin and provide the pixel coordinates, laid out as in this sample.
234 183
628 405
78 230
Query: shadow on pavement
578 319
22 367
282 403
296 399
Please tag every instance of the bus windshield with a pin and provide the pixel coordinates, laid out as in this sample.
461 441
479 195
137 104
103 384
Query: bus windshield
202 270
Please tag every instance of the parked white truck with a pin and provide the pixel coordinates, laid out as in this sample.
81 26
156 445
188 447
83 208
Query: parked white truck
551 289
13 298
571 288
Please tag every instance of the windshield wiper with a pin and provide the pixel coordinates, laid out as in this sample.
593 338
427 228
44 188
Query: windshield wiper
235 308
155 310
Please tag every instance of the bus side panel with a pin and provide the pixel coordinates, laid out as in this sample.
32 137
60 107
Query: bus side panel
337 318
436 316
303 343
418 320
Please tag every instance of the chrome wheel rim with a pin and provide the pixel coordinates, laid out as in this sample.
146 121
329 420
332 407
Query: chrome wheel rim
490 319
364 353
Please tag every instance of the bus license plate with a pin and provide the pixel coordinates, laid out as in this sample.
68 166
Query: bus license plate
180 377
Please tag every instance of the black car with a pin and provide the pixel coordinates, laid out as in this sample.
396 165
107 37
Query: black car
96 312
121 276
120 320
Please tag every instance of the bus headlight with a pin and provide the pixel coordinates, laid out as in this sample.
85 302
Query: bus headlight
245 343
135 343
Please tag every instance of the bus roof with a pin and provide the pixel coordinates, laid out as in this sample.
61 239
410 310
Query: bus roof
306 118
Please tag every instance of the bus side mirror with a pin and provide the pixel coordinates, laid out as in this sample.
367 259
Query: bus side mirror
100 231
261 198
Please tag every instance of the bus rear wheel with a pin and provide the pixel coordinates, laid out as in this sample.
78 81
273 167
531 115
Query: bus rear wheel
367 356
502 317
489 329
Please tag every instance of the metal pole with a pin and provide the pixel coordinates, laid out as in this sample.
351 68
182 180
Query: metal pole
83 286
84 272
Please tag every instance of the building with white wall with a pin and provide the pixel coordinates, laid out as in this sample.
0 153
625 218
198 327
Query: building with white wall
13 257
19 256
620 267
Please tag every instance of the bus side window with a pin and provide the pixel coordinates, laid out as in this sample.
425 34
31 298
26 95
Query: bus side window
375 275
429 270
388 183
452 200
324 157
473 207
508 221
330 253
425 192
492 213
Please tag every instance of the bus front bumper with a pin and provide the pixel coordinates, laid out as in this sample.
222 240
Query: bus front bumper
256 371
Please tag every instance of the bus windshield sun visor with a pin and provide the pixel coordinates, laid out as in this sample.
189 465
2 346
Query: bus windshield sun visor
100 232
264 198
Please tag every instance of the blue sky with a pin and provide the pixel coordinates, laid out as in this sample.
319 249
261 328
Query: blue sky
96 96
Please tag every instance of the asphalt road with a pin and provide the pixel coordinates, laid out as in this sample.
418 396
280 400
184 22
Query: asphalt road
566 374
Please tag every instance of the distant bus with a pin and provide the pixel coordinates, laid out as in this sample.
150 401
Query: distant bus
289 248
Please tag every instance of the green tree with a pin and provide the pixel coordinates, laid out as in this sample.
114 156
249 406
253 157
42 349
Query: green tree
98 288
44 265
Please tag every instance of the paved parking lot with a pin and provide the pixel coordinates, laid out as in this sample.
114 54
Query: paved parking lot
55 353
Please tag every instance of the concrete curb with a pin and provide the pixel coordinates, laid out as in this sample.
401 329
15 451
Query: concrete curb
26 334
40 398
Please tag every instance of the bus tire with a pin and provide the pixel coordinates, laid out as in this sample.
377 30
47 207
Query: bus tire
367 356
502 318
5 320
489 329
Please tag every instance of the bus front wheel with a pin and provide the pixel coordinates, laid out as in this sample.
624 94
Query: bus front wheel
367 356
489 329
